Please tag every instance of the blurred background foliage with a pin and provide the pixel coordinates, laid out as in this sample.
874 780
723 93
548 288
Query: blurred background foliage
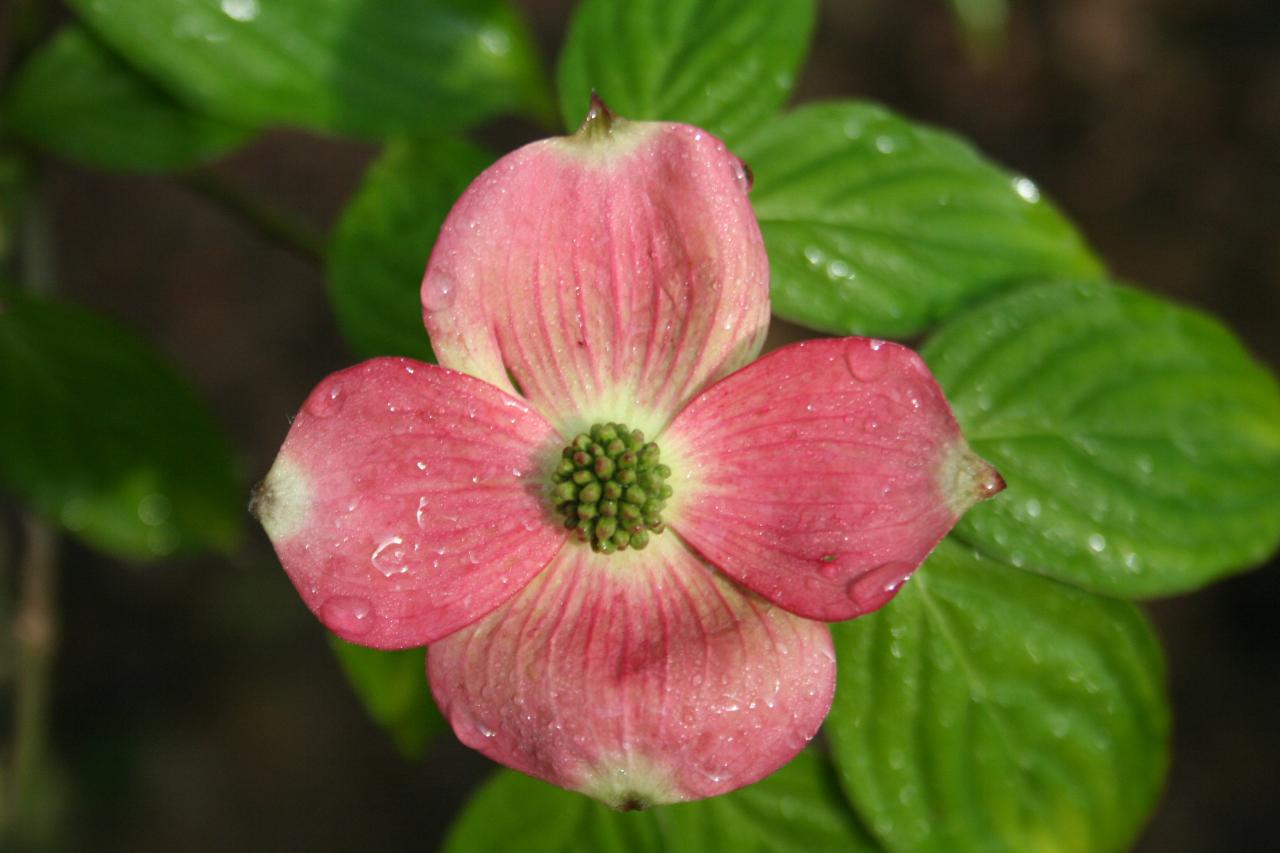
207 206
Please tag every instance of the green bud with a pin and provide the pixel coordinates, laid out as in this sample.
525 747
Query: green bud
606 527
610 488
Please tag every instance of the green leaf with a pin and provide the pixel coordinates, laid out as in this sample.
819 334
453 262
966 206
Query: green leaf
103 436
723 65
797 808
393 688
78 100
367 67
380 248
879 226
989 709
1140 442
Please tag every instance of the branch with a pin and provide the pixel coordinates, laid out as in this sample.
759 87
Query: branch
276 226
35 639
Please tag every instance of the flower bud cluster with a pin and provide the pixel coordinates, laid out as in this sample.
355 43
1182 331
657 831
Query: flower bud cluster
611 488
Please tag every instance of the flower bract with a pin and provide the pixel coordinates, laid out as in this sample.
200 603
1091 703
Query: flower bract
619 532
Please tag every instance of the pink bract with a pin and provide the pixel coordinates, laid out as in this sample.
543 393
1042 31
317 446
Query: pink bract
617 275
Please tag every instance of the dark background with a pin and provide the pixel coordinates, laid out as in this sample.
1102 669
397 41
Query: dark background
197 705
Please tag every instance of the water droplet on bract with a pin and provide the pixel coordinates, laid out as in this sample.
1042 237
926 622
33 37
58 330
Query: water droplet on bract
422 512
877 586
863 361
388 557
1097 543
323 403
743 176
347 615
438 293
886 144
1032 508
815 256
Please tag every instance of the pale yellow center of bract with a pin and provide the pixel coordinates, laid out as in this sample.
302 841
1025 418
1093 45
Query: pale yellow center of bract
629 781
281 500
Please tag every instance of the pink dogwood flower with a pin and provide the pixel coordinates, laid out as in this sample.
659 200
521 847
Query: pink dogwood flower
619 532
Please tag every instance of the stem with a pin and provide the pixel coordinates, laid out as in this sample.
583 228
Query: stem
275 225
35 639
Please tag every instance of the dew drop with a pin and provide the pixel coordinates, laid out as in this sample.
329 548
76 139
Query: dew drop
1032 508
422 512
743 176
495 41
324 403
153 510
877 586
388 557
347 615
240 10
863 363
438 293
1026 189
1097 543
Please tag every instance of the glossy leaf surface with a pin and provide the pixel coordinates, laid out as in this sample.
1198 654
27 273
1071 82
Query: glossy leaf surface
102 436
990 709
78 100
722 65
392 686
1139 441
367 67
797 808
880 226
381 245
